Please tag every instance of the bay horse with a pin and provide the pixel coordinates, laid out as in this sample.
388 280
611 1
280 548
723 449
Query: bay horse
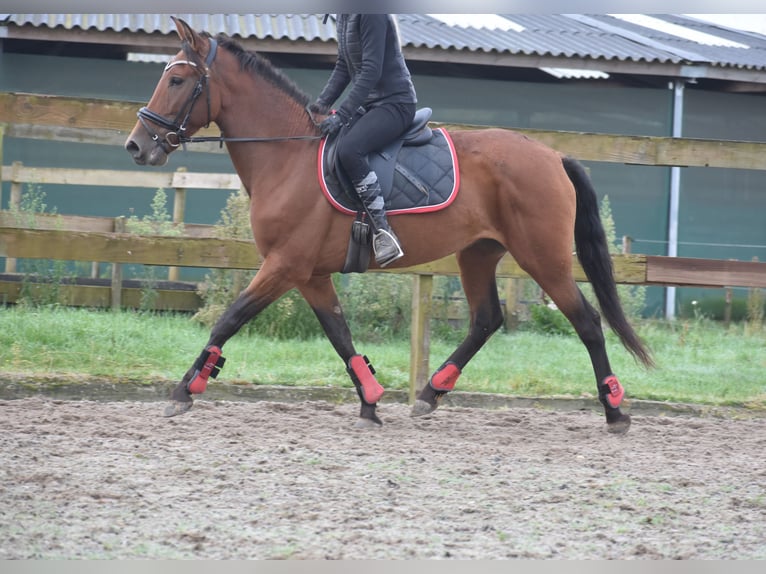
516 195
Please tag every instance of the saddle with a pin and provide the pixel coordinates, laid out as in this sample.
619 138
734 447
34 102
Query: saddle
418 173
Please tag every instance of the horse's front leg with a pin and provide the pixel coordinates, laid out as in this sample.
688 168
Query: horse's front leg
267 286
320 294
477 274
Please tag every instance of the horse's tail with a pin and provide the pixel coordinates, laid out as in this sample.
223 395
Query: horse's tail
593 253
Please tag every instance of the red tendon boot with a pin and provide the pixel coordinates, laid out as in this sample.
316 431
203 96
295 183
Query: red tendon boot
361 371
614 391
445 378
207 365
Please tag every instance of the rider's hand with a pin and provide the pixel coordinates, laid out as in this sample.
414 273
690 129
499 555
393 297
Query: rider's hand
331 125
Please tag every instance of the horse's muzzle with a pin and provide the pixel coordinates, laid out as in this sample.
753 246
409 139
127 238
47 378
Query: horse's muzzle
153 155
135 152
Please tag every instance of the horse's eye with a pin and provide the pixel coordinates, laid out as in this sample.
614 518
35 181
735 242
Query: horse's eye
176 81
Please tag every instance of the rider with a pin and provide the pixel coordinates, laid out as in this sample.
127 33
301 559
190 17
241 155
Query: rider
379 107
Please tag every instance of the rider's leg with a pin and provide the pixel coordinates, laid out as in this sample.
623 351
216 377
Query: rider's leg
385 244
372 131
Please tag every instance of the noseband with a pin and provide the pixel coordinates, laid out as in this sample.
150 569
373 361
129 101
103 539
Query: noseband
175 135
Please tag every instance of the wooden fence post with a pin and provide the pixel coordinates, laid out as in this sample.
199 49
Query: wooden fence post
420 332
2 139
512 303
728 296
14 204
179 211
119 227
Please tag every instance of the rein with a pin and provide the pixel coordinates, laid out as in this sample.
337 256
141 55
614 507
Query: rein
222 138
175 135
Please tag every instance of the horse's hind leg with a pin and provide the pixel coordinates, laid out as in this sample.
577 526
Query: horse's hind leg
587 323
477 274
320 294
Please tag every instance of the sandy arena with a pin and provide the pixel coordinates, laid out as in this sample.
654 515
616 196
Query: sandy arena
278 480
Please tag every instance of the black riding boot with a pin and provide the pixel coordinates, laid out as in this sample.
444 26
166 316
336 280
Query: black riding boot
384 242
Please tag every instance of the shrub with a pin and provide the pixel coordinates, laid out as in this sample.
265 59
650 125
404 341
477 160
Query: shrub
548 320
377 306
221 287
755 309
41 283
713 308
158 222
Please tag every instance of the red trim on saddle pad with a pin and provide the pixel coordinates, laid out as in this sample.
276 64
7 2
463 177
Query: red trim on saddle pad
424 209
445 378
615 392
370 387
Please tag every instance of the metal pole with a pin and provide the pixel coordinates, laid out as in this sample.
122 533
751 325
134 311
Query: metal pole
675 194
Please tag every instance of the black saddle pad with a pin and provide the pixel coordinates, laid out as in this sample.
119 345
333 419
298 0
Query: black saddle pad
420 179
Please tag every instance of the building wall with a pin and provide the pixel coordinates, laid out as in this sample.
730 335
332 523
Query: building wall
721 210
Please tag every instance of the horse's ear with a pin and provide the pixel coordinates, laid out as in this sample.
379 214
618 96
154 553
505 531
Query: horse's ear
186 33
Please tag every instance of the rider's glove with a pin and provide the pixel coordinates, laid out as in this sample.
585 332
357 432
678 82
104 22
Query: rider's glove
331 125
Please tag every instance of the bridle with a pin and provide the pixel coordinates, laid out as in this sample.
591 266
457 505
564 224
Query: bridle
175 136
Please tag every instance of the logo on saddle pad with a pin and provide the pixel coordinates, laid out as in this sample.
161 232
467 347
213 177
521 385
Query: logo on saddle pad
418 173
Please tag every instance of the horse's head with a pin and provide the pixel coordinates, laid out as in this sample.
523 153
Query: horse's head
181 104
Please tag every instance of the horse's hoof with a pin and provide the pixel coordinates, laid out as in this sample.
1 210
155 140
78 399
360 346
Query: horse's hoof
175 408
363 423
620 426
421 408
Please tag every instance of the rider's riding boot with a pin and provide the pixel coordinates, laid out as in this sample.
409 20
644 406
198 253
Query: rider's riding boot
384 242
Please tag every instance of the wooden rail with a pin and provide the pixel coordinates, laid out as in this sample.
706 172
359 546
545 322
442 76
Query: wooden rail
19 173
230 253
180 181
108 122
211 252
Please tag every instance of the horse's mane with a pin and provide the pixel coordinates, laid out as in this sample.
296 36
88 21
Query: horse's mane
261 66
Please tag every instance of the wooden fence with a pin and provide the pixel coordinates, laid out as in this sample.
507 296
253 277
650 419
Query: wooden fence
104 240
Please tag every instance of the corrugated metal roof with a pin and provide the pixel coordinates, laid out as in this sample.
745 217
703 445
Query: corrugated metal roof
307 27
559 35
544 35
754 57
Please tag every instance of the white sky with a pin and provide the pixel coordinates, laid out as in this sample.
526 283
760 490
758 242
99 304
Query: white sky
749 22
676 30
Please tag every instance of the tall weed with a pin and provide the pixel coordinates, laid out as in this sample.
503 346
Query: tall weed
221 287
755 310
157 222
42 279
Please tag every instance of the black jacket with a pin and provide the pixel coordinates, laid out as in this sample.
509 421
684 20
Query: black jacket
371 60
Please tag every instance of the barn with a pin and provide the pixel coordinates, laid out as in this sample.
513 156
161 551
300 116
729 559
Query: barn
661 75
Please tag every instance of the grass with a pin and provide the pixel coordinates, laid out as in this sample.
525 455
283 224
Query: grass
698 361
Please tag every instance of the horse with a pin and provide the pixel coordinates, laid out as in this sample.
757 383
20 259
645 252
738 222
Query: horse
516 195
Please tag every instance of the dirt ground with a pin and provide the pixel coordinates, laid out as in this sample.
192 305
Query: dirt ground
258 480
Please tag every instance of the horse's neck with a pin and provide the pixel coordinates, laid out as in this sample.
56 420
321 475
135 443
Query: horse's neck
254 107
265 112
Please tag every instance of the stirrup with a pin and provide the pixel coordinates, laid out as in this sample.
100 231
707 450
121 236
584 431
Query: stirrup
386 247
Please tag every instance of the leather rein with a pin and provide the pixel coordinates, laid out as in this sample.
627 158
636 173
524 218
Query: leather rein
175 136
